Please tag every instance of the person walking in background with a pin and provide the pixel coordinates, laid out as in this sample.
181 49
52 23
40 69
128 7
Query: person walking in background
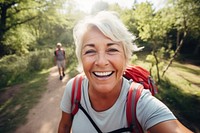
59 59
104 48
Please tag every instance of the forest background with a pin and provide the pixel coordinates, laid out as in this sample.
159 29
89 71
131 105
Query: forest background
30 29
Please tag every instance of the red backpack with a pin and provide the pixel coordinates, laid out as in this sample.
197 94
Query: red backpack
141 75
141 80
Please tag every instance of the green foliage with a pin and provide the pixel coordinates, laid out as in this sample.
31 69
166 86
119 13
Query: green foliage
14 69
143 15
39 60
19 39
127 17
72 61
186 14
162 55
10 69
27 23
53 27
151 25
150 58
134 58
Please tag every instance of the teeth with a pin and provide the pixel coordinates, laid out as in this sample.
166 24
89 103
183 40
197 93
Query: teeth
102 73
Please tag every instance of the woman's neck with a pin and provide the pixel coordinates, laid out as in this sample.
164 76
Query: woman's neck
104 101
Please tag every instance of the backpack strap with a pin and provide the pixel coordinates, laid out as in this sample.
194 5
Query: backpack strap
56 51
88 116
76 97
76 93
132 99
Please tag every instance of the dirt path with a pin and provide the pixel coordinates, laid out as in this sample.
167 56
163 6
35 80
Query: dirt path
45 116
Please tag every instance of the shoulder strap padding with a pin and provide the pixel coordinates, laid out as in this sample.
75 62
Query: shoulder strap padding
76 93
132 99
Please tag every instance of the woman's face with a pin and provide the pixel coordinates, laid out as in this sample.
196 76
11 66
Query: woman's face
103 61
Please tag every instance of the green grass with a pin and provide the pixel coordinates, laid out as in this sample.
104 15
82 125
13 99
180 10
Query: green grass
14 110
14 69
180 90
186 76
184 105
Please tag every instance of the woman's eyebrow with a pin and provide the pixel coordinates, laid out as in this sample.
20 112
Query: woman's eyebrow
89 45
108 44
113 43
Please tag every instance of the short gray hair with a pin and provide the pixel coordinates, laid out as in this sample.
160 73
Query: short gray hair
110 25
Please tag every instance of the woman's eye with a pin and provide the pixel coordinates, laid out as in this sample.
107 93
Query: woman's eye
90 51
112 50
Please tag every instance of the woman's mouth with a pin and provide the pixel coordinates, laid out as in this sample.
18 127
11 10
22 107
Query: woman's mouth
103 74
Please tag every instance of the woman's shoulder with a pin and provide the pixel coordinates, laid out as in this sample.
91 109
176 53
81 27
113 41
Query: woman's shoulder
74 82
70 82
69 85
151 111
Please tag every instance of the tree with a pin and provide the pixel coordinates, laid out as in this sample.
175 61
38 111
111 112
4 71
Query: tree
152 29
54 25
15 14
186 16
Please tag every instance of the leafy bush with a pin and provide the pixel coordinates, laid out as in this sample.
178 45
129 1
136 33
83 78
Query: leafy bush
15 69
71 61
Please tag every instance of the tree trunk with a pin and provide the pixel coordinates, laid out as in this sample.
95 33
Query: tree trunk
3 21
197 49
177 39
176 52
157 68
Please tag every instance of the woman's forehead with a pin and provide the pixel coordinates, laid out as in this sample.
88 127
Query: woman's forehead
93 34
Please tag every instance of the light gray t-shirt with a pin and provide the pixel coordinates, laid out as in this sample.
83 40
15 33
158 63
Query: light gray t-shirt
150 111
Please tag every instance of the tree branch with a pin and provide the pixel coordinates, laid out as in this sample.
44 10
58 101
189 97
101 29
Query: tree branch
18 23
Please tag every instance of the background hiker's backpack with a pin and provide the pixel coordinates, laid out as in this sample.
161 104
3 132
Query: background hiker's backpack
56 51
141 80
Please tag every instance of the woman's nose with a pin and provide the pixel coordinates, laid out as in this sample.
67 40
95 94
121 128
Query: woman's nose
101 59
